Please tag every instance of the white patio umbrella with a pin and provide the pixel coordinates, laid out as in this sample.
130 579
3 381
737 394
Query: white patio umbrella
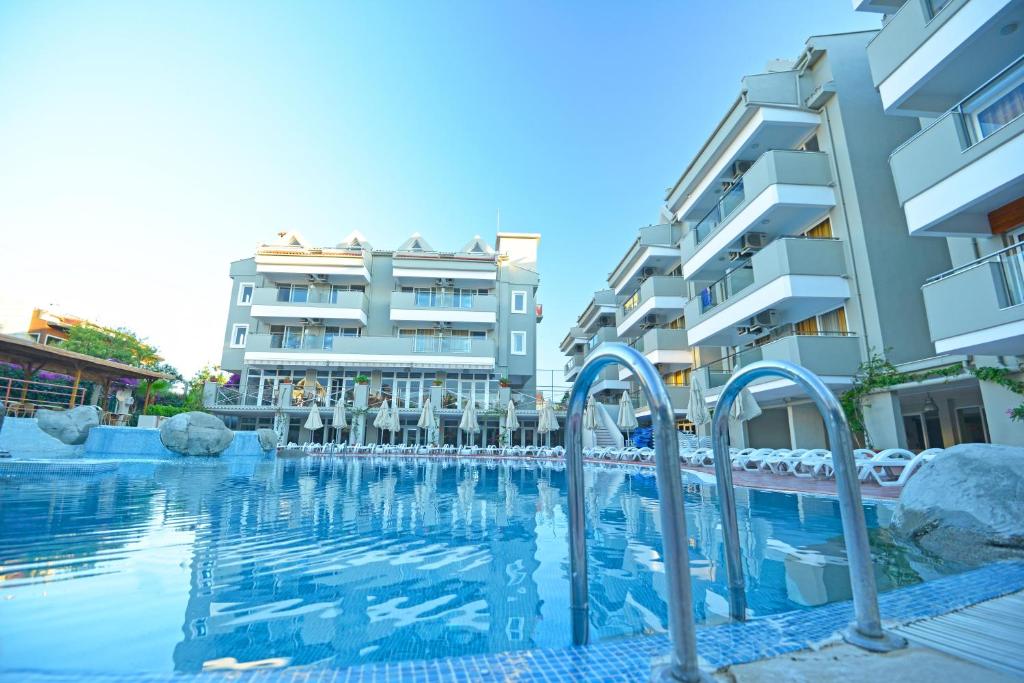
552 418
698 409
468 424
590 416
313 422
627 414
511 420
338 418
542 418
745 407
427 420
383 416
395 423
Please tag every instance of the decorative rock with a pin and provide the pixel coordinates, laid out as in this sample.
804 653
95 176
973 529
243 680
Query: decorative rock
195 433
268 439
69 426
966 504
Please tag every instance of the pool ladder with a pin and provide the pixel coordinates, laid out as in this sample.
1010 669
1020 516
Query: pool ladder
866 630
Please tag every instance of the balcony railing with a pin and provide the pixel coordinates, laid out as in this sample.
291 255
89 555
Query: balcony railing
447 345
949 143
722 209
732 283
314 296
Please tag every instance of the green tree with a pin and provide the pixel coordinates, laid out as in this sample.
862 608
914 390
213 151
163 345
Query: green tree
121 345
194 393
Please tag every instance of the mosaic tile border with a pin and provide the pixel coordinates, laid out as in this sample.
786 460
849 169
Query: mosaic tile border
38 469
627 659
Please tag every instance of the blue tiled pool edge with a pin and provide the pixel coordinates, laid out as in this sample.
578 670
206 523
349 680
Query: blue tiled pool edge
630 659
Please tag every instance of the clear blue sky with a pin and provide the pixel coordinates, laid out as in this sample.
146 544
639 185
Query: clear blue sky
144 146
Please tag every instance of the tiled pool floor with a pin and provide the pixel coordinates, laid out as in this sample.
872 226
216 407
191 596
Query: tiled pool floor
630 659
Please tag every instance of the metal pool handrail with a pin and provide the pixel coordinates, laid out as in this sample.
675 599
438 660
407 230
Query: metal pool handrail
682 665
866 631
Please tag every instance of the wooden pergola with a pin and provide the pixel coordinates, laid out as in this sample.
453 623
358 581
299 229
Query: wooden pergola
33 358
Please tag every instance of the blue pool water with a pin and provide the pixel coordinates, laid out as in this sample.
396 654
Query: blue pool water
186 565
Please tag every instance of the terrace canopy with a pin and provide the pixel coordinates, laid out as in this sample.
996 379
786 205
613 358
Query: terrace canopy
33 358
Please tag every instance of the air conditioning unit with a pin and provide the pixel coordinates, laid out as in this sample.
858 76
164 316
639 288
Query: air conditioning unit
449 282
647 272
739 168
439 282
649 321
767 318
314 278
753 241
743 330
736 255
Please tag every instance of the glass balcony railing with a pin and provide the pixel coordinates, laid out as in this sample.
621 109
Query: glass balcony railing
719 212
1009 266
443 300
735 281
442 344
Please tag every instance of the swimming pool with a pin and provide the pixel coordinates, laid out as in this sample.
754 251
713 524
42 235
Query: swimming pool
186 565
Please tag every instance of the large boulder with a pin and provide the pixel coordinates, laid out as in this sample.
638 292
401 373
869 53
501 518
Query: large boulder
966 504
69 426
268 439
195 434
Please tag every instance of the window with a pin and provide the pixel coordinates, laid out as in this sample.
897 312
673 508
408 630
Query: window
34 336
821 231
238 335
935 6
997 104
519 343
518 301
296 294
245 291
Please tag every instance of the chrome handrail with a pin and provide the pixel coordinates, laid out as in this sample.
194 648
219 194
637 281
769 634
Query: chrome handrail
976 262
866 631
682 630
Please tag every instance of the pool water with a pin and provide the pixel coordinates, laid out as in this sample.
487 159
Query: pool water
181 566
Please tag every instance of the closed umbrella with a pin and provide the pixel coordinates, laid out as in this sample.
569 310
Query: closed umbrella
745 407
313 422
511 421
542 419
395 423
698 409
383 416
627 413
427 420
469 424
553 425
590 416
338 418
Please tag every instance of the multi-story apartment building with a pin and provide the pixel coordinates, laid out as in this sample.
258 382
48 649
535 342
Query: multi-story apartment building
956 67
642 307
419 323
795 245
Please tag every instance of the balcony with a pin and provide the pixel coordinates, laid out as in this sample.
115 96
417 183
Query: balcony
979 308
604 334
931 53
795 277
600 309
572 367
834 356
659 295
768 115
966 164
294 264
662 347
432 307
782 193
678 396
654 250
320 302
425 268
461 353
576 336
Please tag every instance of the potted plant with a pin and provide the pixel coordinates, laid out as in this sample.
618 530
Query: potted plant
437 382
362 379
286 380
504 383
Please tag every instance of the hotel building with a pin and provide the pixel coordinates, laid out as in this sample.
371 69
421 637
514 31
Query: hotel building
418 323
785 237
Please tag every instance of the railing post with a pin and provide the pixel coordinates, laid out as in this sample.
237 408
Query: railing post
682 630
866 630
